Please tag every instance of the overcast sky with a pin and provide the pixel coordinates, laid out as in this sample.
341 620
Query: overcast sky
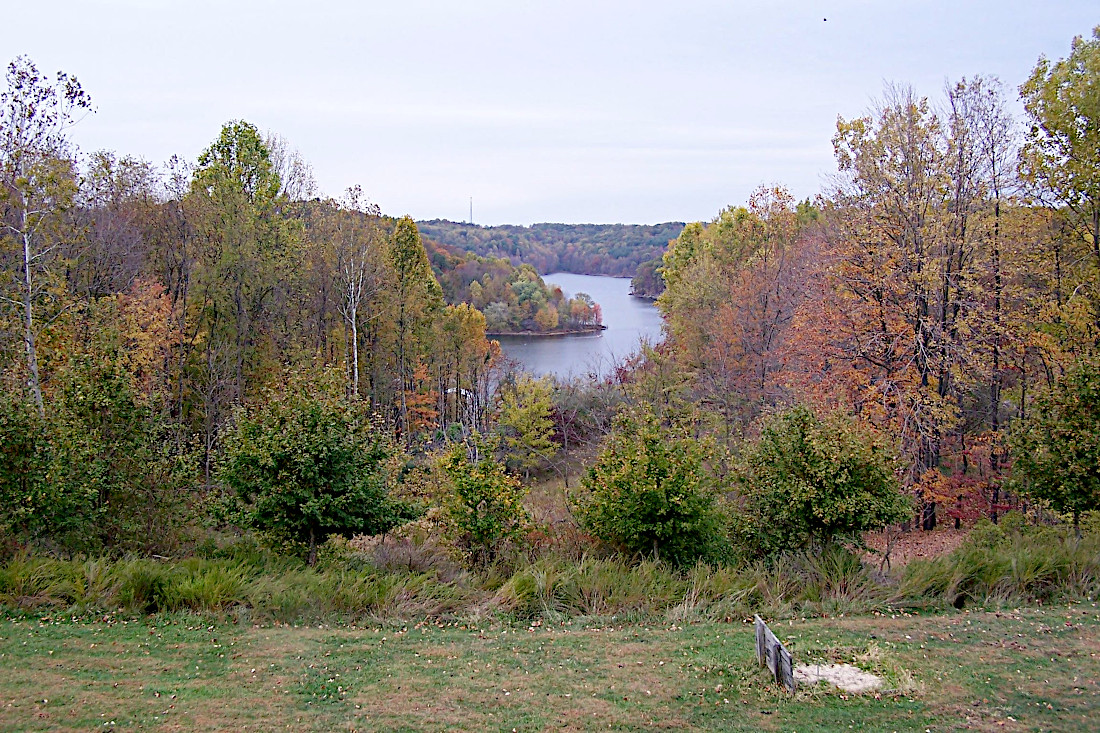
566 111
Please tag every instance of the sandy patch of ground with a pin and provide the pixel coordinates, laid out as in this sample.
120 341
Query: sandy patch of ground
844 676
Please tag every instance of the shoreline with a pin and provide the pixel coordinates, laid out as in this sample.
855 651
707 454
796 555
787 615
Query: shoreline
572 332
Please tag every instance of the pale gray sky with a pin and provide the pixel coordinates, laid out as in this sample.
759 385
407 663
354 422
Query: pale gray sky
636 111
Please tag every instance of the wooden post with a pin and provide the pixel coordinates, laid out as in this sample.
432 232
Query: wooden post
771 652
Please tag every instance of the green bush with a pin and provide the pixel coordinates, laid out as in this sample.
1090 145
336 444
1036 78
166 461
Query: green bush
484 504
24 507
648 494
807 483
305 464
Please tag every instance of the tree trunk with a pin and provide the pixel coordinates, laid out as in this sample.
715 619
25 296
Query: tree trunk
354 313
928 516
28 321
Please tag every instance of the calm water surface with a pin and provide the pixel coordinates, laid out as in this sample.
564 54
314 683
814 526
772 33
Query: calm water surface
628 320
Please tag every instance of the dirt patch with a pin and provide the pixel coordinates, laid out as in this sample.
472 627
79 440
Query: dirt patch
913 545
844 676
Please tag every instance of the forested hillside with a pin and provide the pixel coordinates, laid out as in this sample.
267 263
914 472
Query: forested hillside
144 308
950 276
587 249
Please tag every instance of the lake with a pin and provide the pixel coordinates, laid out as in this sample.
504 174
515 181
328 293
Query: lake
628 320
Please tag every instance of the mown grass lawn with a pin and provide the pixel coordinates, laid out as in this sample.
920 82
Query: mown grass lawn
1026 670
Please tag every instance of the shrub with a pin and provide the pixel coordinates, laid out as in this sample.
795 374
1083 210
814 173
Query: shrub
23 467
806 483
648 493
116 485
306 464
484 505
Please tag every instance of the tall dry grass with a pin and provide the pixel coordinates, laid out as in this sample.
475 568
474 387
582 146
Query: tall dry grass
417 578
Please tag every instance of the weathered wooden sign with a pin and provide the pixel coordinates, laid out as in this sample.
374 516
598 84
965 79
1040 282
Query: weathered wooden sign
771 652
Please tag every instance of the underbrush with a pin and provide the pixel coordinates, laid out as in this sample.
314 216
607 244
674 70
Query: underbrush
997 565
1006 564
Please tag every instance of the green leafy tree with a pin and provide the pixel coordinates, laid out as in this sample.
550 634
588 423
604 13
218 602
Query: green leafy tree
808 482
649 493
525 420
244 242
115 483
23 467
1061 158
305 463
1056 448
418 300
484 505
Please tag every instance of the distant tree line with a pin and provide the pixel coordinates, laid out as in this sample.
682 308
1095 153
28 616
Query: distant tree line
587 249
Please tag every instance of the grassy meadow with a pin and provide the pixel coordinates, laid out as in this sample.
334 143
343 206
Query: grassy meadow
1025 669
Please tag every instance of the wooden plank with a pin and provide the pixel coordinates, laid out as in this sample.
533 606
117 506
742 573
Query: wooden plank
770 652
784 673
759 628
772 645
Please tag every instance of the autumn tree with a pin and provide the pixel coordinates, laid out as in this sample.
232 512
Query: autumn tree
907 237
465 361
733 287
37 186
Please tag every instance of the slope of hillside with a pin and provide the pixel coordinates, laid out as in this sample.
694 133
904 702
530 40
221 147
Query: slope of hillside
589 249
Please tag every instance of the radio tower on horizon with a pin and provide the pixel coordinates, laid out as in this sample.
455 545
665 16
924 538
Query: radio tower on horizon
471 209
